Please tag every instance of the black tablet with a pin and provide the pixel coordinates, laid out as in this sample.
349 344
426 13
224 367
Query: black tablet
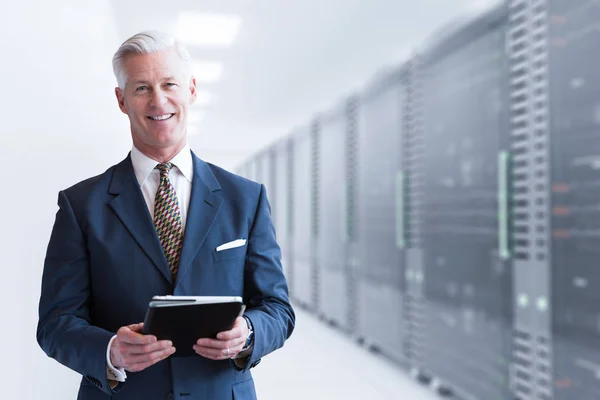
185 319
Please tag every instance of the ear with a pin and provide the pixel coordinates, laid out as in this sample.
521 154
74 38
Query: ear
121 99
192 90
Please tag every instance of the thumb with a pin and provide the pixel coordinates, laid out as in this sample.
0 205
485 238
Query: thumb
136 327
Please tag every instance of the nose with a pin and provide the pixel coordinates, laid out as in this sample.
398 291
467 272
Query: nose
158 98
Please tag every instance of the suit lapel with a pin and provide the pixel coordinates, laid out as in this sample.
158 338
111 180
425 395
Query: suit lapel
205 202
130 207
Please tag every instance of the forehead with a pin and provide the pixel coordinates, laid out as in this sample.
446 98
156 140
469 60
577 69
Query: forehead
153 66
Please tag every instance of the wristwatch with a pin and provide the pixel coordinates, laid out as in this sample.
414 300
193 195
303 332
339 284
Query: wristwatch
250 336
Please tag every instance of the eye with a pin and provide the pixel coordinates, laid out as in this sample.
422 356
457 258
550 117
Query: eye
141 88
170 84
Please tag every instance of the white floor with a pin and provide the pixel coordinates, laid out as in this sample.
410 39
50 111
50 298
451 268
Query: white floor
319 363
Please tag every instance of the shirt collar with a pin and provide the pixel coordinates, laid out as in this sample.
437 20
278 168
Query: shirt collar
143 165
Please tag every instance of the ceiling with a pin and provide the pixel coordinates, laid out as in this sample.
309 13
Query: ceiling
291 58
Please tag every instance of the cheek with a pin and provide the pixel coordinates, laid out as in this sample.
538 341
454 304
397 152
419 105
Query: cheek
136 107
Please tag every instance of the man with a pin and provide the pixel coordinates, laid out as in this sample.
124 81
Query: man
151 225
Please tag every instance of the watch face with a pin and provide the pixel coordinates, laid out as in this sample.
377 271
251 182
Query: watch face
249 339
248 324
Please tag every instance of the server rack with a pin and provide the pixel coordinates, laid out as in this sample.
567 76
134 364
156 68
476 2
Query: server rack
532 350
574 117
532 215
350 202
330 245
242 169
304 217
270 176
258 162
466 257
263 167
251 168
281 204
381 242
239 170
410 225
554 93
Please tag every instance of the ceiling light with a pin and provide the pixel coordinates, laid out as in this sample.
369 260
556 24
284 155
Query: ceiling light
207 71
203 29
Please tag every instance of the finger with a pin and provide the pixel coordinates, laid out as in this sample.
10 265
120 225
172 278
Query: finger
134 349
218 354
216 344
213 354
151 358
221 344
213 343
235 332
140 362
126 335
136 327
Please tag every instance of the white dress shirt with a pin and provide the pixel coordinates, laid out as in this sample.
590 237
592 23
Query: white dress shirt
181 175
148 177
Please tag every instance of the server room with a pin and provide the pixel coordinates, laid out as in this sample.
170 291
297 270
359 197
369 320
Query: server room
416 180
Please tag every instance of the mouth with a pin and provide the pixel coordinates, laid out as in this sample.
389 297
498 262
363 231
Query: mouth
163 117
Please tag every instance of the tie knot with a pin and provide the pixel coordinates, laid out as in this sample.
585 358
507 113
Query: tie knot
164 168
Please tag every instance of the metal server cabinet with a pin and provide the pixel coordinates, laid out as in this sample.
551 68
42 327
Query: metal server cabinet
281 203
574 89
334 287
241 170
265 173
251 168
468 279
269 174
304 284
257 166
263 168
381 240
556 97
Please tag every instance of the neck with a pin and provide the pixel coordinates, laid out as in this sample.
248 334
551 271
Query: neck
161 154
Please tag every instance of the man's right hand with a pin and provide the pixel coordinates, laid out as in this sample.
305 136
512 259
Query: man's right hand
135 352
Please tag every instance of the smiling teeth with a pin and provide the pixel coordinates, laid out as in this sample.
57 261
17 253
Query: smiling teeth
162 117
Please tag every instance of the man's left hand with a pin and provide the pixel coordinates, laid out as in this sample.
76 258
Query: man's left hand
227 344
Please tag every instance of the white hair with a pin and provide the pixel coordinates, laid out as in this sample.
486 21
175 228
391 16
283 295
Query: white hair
145 43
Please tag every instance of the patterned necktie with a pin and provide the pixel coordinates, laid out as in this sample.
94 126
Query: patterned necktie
167 218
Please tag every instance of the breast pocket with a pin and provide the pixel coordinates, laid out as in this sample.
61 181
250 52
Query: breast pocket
229 254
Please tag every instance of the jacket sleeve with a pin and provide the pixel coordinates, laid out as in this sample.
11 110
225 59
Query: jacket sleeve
64 330
265 286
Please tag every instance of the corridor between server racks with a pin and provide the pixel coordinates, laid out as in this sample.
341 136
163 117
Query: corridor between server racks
320 363
447 211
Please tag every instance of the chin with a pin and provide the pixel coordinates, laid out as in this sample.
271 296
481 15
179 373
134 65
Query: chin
169 141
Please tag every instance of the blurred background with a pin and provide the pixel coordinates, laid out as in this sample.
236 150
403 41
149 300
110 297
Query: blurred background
431 168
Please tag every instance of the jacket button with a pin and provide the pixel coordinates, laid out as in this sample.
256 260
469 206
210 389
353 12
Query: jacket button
170 396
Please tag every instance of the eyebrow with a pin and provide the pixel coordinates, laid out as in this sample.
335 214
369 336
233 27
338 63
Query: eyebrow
168 78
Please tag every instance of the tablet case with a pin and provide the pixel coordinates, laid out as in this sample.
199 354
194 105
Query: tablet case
185 322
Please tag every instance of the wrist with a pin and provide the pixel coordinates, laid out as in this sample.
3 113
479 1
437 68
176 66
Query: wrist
112 360
250 335
114 371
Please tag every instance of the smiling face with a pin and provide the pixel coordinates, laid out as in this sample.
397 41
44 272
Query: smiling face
156 98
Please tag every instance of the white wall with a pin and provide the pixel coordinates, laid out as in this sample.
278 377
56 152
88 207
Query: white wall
60 124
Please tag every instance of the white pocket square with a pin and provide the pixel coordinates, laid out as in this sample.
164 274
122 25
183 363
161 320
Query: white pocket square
231 245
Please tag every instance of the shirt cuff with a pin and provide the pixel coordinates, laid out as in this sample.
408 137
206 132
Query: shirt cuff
245 353
114 374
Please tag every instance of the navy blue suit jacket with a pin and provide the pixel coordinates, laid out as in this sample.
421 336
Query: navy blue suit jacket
104 263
